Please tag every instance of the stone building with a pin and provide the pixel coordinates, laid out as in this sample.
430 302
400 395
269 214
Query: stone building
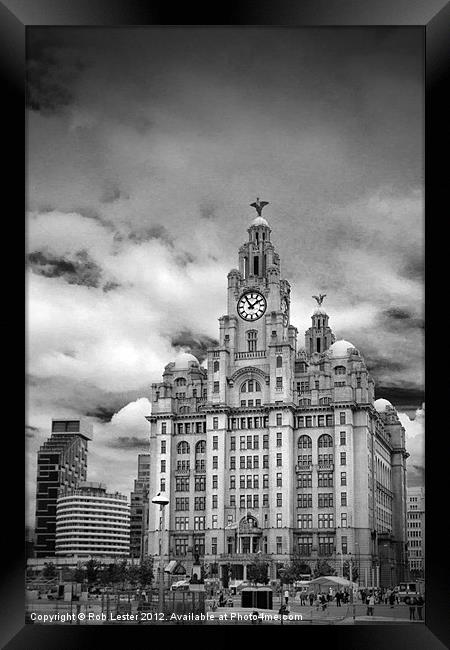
139 506
416 531
275 451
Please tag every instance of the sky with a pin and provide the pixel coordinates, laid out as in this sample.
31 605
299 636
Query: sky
145 147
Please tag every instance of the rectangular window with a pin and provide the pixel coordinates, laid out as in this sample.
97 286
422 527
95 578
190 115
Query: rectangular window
232 500
279 382
329 420
249 462
341 418
232 482
343 437
256 441
200 503
232 443
215 423
242 501
216 387
265 481
344 544
308 421
249 441
214 502
343 458
215 444
304 521
343 520
255 462
200 483
214 539
325 500
326 545
232 462
162 485
249 482
249 500
343 478
304 500
181 484
215 462
255 501
242 482
242 443
343 498
279 499
163 446
279 460
182 503
279 479
279 419
215 481
256 481
316 385
265 462
181 545
265 499
163 429
266 441
325 479
279 544
304 480
163 466
321 421
199 523
279 520
279 438
242 462
304 545
326 520
181 523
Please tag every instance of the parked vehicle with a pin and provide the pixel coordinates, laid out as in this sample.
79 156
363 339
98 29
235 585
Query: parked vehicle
413 588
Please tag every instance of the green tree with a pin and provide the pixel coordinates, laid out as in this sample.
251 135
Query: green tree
323 569
79 574
295 570
93 569
146 572
133 574
346 571
49 570
257 572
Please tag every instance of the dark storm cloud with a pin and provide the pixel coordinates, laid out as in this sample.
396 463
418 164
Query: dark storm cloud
414 268
197 345
30 431
51 70
110 286
401 318
80 270
157 231
101 413
415 476
112 192
407 398
126 442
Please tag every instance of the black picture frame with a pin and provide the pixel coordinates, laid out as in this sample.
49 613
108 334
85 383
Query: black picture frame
433 16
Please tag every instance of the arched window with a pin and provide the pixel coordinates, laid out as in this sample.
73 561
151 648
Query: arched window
305 401
304 442
200 447
216 366
325 441
184 409
325 400
181 381
251 386
252 340
340 370
183 447
279 361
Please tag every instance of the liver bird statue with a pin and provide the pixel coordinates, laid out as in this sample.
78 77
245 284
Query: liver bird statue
319 298
258 205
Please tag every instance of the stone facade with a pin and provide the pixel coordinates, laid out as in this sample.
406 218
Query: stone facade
274 451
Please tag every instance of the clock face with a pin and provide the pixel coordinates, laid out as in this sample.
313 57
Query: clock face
251 305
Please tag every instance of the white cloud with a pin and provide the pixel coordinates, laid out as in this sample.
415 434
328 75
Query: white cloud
415 439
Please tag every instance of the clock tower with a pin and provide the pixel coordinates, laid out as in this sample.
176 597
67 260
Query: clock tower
256 337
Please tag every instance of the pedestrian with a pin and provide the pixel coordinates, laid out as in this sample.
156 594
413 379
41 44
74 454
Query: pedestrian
420 603
392 599
338 599
370 604
286 596
311 598
412 608
324 601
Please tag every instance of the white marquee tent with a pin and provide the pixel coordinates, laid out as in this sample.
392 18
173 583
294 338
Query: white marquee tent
334 581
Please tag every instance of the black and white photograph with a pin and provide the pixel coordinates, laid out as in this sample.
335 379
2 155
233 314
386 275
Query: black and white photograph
225 326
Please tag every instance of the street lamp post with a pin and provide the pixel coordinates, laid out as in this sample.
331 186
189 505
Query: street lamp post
161 500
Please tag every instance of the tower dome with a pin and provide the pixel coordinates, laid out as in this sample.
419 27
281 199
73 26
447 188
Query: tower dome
340 349
259 221
184 361
381 405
